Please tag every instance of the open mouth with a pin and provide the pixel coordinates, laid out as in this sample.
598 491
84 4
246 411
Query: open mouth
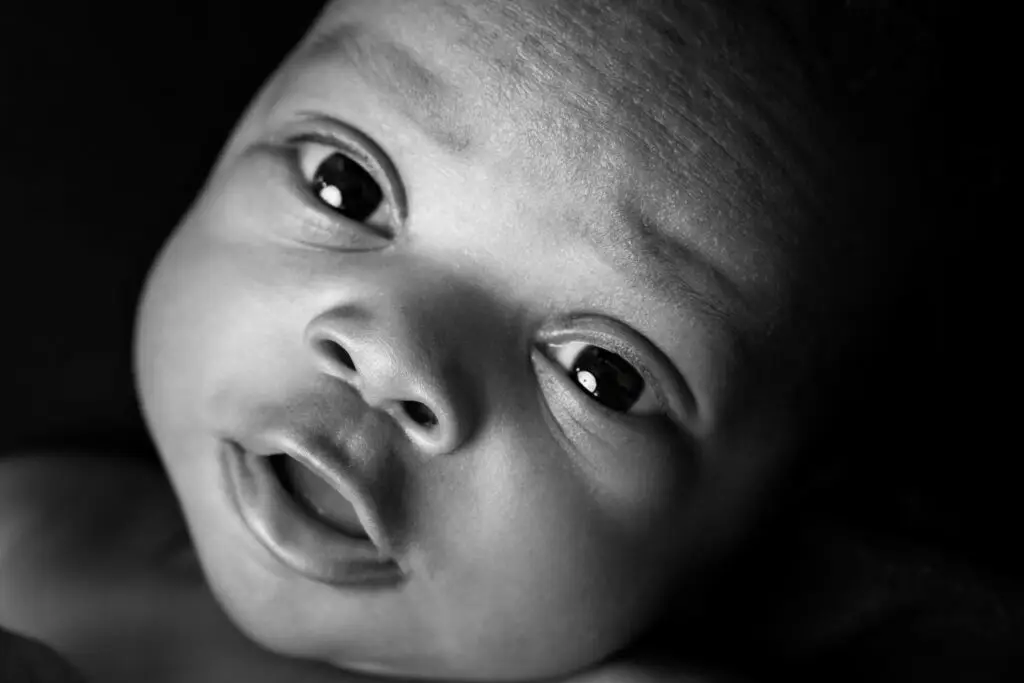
304 521
316 497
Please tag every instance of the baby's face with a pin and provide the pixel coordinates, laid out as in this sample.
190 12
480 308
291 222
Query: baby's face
513 357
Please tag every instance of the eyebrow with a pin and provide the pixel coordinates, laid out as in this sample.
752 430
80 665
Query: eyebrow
424 98
650 255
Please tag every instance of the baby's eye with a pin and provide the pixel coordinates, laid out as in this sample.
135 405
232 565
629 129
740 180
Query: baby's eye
606 377
339 181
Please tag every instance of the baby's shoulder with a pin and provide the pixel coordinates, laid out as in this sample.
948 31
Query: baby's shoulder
81 538
95 562
60 510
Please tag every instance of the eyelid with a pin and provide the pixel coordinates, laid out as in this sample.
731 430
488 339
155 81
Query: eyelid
332 132
660 374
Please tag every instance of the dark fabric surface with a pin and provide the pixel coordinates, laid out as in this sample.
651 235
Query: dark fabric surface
24 660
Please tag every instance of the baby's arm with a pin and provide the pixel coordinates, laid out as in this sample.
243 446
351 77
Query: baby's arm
23 660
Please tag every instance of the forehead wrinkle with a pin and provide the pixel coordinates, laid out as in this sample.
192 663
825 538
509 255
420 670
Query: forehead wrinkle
700 92
601 111
655 258
418 93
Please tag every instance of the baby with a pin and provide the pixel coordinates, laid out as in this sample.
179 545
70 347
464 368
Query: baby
492 333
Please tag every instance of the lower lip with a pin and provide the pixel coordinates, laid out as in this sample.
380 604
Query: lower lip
300 542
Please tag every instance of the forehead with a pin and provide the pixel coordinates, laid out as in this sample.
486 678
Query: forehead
664 79
692 93
683 117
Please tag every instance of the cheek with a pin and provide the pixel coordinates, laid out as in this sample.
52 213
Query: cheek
540 562
176 314
196 308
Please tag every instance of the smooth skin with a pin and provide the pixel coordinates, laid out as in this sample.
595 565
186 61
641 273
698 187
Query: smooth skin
540 528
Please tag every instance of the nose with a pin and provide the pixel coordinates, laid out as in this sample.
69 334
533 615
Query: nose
403 359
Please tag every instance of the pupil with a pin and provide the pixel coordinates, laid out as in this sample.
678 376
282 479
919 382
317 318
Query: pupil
608 378
342 179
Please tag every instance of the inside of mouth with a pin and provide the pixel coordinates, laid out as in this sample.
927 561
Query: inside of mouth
316 497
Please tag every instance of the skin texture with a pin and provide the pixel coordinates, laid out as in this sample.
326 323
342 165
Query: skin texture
529 200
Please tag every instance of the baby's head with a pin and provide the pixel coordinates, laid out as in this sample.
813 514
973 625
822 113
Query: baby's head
536 289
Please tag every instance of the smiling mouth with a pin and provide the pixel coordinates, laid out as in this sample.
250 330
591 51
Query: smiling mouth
303 521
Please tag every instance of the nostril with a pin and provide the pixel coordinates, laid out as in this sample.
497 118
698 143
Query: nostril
336 352
419 413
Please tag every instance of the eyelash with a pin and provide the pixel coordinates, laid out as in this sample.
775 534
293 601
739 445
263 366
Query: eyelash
670 391
561 353
367 155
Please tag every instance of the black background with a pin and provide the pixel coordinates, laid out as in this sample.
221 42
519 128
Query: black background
112 114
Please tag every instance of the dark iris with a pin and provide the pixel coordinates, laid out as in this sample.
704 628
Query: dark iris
608 378
360 193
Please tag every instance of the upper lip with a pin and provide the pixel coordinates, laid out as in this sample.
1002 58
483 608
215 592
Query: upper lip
334 466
